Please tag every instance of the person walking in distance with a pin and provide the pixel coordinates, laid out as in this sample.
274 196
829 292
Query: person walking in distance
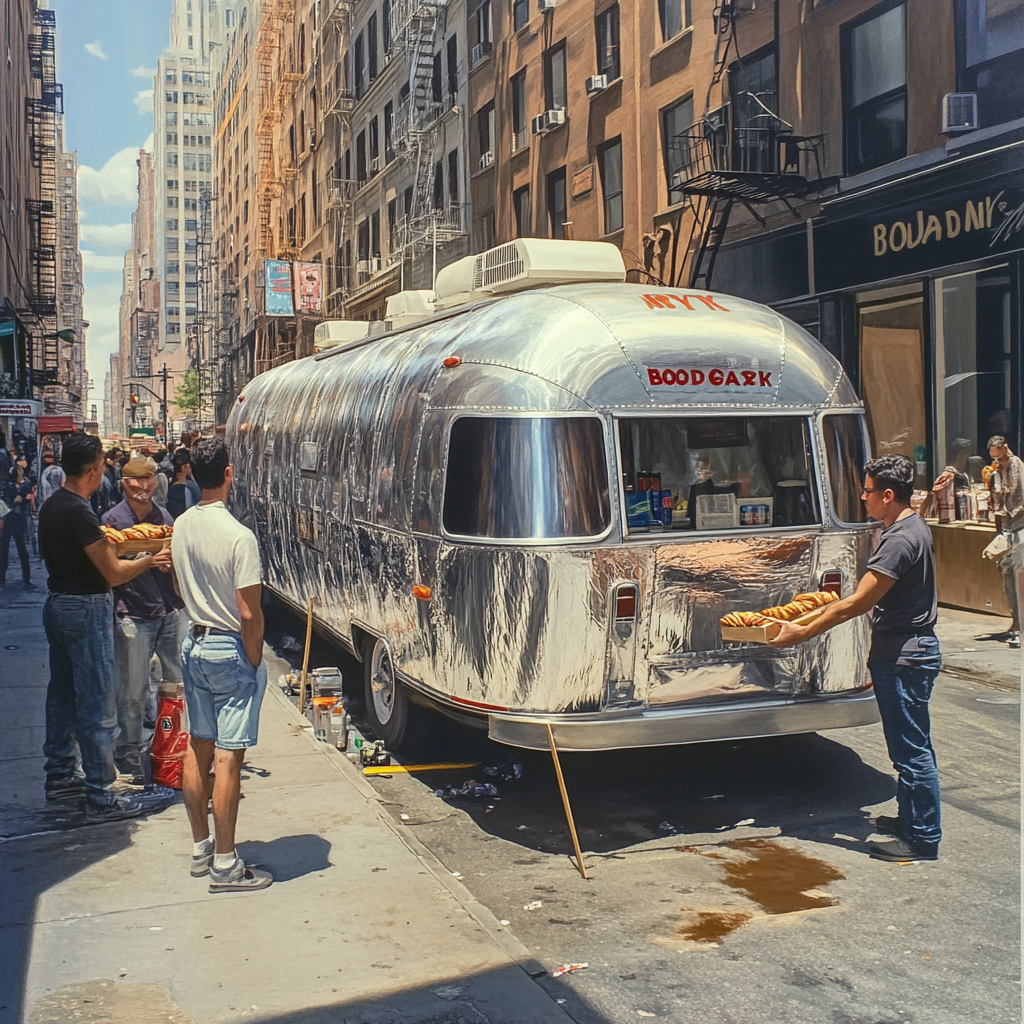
16 491
50 479
898 588
81 698
184 491
1011 478
218 566
148 620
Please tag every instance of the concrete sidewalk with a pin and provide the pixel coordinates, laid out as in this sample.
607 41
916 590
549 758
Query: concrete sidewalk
104 923
970 648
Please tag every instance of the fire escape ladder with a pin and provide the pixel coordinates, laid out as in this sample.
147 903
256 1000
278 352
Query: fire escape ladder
716 223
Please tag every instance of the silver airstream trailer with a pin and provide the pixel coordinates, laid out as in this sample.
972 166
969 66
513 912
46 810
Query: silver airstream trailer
468 501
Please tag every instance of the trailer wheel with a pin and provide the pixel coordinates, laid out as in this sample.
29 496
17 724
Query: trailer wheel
400 723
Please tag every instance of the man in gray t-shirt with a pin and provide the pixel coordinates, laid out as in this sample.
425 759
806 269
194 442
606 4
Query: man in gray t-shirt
898 588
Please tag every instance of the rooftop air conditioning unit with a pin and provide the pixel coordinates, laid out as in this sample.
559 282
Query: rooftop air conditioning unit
409 307
596 83
374 164
526 263
959 112
548 121
546 5
335 333
480 52
486 160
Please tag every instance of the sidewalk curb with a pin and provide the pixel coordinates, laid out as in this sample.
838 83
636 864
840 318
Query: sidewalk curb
498 933
966 670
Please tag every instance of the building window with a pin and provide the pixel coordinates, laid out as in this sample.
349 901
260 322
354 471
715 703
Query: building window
361 157
520 136
375 234
520 14
607 25
754 106
374 139
453 177
485 235
392 223
371 45
389 123
875 90
170 244
172 97
453 70
610 160
674 16
483 22
485 132
172 117
557 215
991 58
435 78
523 212
360 67
438 185
173 267
675 120
171 77
555 90
385 25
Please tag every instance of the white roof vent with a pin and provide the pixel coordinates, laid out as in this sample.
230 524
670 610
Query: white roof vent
409 307
335 333
527 263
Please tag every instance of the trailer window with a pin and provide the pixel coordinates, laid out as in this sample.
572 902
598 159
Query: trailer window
526 478
846 454
717 473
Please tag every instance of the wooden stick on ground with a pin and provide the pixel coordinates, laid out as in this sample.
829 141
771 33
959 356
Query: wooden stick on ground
565 800
305 656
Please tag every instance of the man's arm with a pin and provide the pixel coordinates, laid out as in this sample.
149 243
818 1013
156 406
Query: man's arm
871 589
250 612
116 570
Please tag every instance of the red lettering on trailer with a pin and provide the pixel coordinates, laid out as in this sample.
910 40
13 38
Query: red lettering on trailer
669 301
653 376
696 376
716 377
731 378
709 301
683 300
766 378
682 377
749 378
668 376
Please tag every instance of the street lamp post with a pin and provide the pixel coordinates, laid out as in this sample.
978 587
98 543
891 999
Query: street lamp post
161 376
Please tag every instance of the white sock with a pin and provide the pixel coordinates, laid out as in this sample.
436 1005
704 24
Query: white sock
203 848
222 861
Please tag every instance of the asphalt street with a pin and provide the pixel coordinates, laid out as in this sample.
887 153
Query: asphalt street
730 882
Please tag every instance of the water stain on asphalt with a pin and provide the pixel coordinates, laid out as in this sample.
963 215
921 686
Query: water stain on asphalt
779 879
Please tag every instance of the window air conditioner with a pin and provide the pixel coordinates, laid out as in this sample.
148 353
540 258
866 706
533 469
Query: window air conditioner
374 164
546 5
548 121
959 112
387 57
480 52
596 83
312 138
486 160
371 266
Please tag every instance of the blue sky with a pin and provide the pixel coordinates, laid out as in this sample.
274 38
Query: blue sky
106 55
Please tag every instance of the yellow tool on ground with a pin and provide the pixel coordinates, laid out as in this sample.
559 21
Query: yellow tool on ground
391 769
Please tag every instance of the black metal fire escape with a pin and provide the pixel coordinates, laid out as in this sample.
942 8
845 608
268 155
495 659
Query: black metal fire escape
41 113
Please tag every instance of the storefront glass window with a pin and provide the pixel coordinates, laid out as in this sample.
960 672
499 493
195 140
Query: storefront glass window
973 360
892 381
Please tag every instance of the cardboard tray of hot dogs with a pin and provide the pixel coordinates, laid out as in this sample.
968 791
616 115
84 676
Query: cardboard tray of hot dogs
804 608
149 545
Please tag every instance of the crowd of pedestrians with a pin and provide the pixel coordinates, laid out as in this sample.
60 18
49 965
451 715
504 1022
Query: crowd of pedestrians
193 608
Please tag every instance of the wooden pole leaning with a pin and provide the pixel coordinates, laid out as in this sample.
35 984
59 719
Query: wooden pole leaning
565 801
305 656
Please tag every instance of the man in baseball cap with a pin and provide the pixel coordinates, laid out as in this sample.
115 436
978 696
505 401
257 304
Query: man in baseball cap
148 621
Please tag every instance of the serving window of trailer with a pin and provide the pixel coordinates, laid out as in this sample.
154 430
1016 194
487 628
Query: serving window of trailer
526 478
717 473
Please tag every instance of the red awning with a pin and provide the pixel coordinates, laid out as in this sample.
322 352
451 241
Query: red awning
56 425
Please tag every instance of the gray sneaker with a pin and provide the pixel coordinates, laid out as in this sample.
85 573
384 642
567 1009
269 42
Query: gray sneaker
239 878
122 807
201 864
1014 640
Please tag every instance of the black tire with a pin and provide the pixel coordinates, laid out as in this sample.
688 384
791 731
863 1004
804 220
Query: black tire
401 724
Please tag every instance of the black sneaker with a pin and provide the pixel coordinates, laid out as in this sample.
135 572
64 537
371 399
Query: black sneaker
122 807
154 798
901 852
64 787
889 826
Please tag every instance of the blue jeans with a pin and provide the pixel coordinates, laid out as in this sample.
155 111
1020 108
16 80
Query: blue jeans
81 701
17 533
133 654
223 692
904 674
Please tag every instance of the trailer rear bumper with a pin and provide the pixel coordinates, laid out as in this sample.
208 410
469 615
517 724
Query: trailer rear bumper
645 727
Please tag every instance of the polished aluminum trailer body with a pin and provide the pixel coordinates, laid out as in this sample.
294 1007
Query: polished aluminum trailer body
341 463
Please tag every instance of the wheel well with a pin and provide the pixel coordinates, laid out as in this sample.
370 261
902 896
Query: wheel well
359 638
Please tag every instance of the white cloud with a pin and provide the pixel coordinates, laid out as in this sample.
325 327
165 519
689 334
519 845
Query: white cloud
93 261
116 183
96 50
144 101
148 144
106 236
143 72
102 308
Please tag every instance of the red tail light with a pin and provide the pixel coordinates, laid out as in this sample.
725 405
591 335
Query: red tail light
832 582
625 603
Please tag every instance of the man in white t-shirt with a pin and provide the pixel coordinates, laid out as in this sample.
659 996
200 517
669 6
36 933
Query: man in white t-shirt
217 562
51 479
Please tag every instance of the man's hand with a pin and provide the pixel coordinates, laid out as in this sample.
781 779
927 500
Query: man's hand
250 612
162 559
790 635
116 570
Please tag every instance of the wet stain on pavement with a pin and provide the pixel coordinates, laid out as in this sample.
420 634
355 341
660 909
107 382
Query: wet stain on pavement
107 1002
779 879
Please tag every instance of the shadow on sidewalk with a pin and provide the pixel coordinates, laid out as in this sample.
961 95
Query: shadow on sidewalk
30 866
288 857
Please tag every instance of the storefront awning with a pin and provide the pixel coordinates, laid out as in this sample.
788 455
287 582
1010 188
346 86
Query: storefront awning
56 425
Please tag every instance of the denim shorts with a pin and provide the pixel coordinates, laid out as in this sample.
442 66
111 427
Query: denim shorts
223 692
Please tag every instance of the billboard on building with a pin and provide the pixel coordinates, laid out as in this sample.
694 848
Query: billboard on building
278 277
308 287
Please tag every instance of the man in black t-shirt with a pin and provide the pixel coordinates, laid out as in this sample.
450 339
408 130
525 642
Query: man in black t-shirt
81 699
904 659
